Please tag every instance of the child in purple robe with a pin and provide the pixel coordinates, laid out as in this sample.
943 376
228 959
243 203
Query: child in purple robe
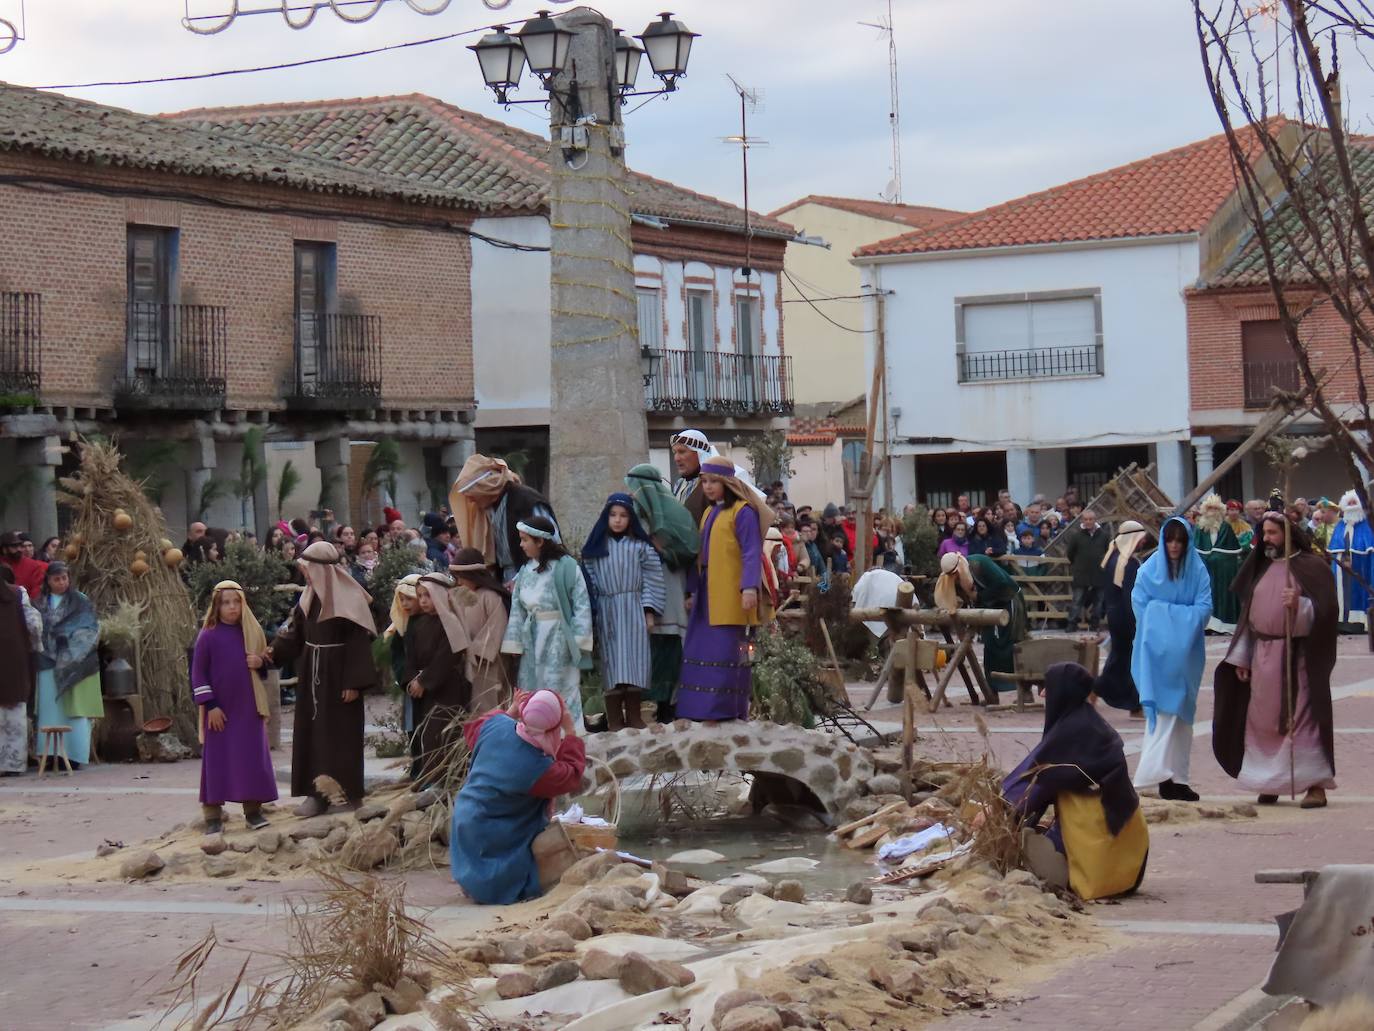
227 683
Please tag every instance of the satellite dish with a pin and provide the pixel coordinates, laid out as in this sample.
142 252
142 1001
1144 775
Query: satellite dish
9 36
889 193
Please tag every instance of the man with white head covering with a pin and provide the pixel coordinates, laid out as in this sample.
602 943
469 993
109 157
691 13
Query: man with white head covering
1115 686
328 639
689 448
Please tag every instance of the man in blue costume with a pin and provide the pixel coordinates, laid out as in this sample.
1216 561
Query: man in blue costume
1352 543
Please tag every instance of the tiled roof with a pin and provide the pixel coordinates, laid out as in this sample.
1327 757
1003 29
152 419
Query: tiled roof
1177 191
68 129
917 216
427 142
1246 267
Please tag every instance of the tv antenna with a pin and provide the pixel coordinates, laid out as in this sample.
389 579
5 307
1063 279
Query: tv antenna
10 35
749 100
893 193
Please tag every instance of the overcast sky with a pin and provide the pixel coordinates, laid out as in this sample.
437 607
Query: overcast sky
998 97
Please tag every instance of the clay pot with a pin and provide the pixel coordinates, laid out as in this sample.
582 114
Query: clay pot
122 520
138 567
172 557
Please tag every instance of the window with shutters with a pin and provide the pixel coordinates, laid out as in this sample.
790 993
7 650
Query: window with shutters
650 304
1267 361
1029 336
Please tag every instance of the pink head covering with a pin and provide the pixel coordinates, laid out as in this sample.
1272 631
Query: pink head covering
541 719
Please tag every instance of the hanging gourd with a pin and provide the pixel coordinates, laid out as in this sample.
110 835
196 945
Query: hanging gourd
138 567
173 557
122 520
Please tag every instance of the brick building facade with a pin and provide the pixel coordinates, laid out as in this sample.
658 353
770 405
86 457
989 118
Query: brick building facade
158 284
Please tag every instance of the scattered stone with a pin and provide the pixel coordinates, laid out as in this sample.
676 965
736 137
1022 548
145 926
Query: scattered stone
928 940
789 891
221 866
804 972
481 951
736 894
860 809
598 965
1211 812
555 974
405 996
314 827
696 857
701 903
973 924
859 893
752 1018
108 848
570 924
747 880
370 847
213 844
426 798
796 1016
516 985
370 1008
268 841
542 942
673 882
1023 877
591 869
444 1015
369 811
333 1013
1157 814
516 950
733 1000
140 864
160 748
242 844
792 864
334 840
898 977
598 897
885 784
1244 809
641 975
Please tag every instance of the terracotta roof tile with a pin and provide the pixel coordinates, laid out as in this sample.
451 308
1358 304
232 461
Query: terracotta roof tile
1177 191
66 128
425 141
917 216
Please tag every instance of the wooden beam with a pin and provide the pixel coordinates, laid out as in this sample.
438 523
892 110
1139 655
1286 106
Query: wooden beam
1272 422
955 662
931 617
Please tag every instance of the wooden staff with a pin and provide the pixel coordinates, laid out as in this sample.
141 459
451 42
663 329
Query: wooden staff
1288 641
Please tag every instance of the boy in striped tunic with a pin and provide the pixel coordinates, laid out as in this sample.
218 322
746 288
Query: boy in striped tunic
626 579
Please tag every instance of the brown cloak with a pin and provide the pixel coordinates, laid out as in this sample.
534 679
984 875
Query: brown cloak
1317 649
17 677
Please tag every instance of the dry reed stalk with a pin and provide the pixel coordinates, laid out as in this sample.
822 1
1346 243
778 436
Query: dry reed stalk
101 571
997 836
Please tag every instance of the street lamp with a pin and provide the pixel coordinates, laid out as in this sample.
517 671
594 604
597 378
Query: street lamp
544 44
649 361
502 59
669 44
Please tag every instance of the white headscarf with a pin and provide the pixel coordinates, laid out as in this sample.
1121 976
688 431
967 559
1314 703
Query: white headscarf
1128 537
439 587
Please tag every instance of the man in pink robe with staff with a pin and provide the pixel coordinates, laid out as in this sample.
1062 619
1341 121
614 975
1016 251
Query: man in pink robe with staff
1270 742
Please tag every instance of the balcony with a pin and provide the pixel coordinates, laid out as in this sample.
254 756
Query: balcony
338 364
1264 379
175 357
1040 363
21 347
720 384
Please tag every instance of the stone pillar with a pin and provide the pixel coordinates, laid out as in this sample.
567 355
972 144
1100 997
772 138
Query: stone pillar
1171 475
200 470
597 424
331 458
453 454
1021 474
41 456
1203 462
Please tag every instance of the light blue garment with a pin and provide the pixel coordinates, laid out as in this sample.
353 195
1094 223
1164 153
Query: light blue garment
1171 617
496 819
52 713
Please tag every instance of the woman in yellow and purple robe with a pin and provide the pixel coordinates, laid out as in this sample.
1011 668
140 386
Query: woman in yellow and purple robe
726 602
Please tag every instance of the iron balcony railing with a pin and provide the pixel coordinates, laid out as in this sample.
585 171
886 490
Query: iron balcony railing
1263 379
338 361
175 356
21 343
725 384
1040 363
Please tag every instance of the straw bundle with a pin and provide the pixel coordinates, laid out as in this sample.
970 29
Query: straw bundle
106 569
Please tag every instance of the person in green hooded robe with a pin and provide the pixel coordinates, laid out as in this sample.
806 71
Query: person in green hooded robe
674 533
1222 553
981 583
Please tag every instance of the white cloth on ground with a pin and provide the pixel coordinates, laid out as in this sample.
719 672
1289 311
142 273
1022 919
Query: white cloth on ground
1166 752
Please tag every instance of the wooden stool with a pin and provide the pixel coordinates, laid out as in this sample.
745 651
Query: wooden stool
53 745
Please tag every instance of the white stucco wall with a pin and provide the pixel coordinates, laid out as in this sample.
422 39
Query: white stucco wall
670 277
818 475
511 324
1142 397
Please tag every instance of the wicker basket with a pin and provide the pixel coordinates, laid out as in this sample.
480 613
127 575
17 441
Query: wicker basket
559 845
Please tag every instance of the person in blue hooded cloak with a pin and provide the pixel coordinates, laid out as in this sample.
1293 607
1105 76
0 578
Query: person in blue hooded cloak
1172 600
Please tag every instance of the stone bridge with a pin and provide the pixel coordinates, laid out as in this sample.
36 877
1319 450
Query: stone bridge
832 767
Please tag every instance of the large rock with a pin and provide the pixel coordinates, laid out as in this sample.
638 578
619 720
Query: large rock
591 869
516 985
543 942
570 924
405 996
213 844
601 966
268 841
221 866
884 784
370 1008
641 975
859 893
752 1018
899 977
556 974
733 1000
516 950
596 897
789 891
140 864
314 827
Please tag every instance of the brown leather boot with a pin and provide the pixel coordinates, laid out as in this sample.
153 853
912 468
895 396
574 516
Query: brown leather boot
1314 799
615 712
634 712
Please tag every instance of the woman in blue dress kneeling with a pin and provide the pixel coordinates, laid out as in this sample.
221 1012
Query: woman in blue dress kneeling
522 759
